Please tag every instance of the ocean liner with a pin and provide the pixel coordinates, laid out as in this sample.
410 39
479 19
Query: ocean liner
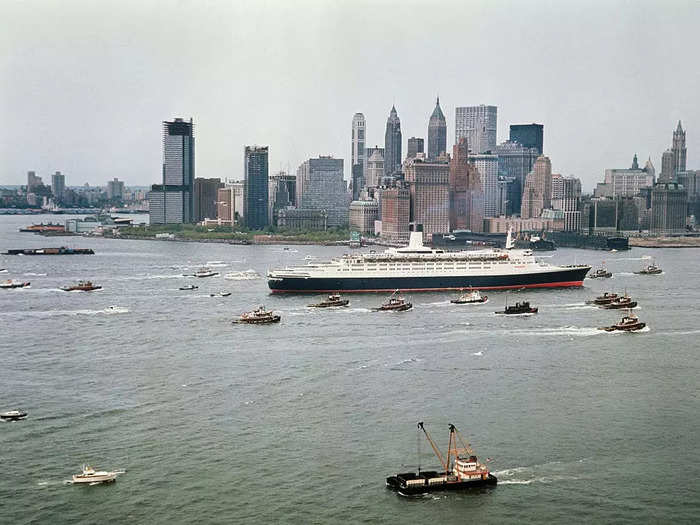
420 268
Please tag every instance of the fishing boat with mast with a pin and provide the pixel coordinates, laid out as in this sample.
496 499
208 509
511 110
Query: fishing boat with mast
629 323
470 297
606 298
650 269
460 471
396 303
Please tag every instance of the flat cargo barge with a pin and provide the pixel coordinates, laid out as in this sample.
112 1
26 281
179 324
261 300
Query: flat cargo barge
51 251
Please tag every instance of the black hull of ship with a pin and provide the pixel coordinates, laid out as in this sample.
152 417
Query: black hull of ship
413 490
566 278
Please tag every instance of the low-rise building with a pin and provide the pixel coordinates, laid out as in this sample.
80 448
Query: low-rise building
362 216
302 219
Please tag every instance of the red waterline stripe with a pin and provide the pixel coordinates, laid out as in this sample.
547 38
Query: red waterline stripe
566 284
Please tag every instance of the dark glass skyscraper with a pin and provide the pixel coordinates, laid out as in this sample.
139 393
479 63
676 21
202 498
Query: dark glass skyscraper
172 202
392 143
415 146
256 187
529 135
437 133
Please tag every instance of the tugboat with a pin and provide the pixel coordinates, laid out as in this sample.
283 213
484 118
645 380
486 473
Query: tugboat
601 273
258 316
82 286
396 303
189 287
10 284
205 272
461 471
13 415
629 323
620 303
650 269
519 309
90 475
472 297
606 298
333 300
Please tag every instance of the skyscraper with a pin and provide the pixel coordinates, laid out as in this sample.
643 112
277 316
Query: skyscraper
515 160
375 167
395 213
172 202
430 195
58 185
669 201
667 166
32 181
282 193
679 150
466 193
392 143
487 166
255 192
529 135
358 142
115 189
437 133
478 125
206 198
537 194
321 187
415 146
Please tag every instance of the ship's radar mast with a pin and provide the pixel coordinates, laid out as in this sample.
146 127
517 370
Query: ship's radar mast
509 238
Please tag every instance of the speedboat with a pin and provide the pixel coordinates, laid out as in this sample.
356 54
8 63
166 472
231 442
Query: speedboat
9 284
189 287
333 300
519 309
90 475
13 415
473 297
205 272
82 286
258 316
629 323
220 294
396 303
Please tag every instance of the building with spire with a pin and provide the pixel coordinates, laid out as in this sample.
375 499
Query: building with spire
437 133
392 143
626 182
678 149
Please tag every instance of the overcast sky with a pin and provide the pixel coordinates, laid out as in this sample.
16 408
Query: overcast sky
85 85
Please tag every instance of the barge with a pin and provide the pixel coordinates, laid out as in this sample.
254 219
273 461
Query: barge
62 250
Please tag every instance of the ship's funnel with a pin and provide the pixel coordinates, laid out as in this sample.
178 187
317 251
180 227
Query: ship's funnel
416 240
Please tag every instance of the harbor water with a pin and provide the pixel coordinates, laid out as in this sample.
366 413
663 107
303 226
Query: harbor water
300 422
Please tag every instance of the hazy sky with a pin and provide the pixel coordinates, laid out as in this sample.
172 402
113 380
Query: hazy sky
85 85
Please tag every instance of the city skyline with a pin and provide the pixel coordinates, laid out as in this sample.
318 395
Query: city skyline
616 119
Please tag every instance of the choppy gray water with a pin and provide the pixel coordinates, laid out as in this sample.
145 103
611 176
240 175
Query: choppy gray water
300 422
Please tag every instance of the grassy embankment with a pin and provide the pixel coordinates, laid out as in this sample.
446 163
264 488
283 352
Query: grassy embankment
201 233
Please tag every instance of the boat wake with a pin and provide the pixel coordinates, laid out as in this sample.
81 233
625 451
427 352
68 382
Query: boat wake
28 274
242 276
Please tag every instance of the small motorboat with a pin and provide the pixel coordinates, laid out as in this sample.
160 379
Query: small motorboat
90 475
205 272
333 300
606 298
3 270
472 297
13 415
621 302
396 303
82 286
650 269
519 309
600 273
220 294
10 284
258 316
189 287
629 323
